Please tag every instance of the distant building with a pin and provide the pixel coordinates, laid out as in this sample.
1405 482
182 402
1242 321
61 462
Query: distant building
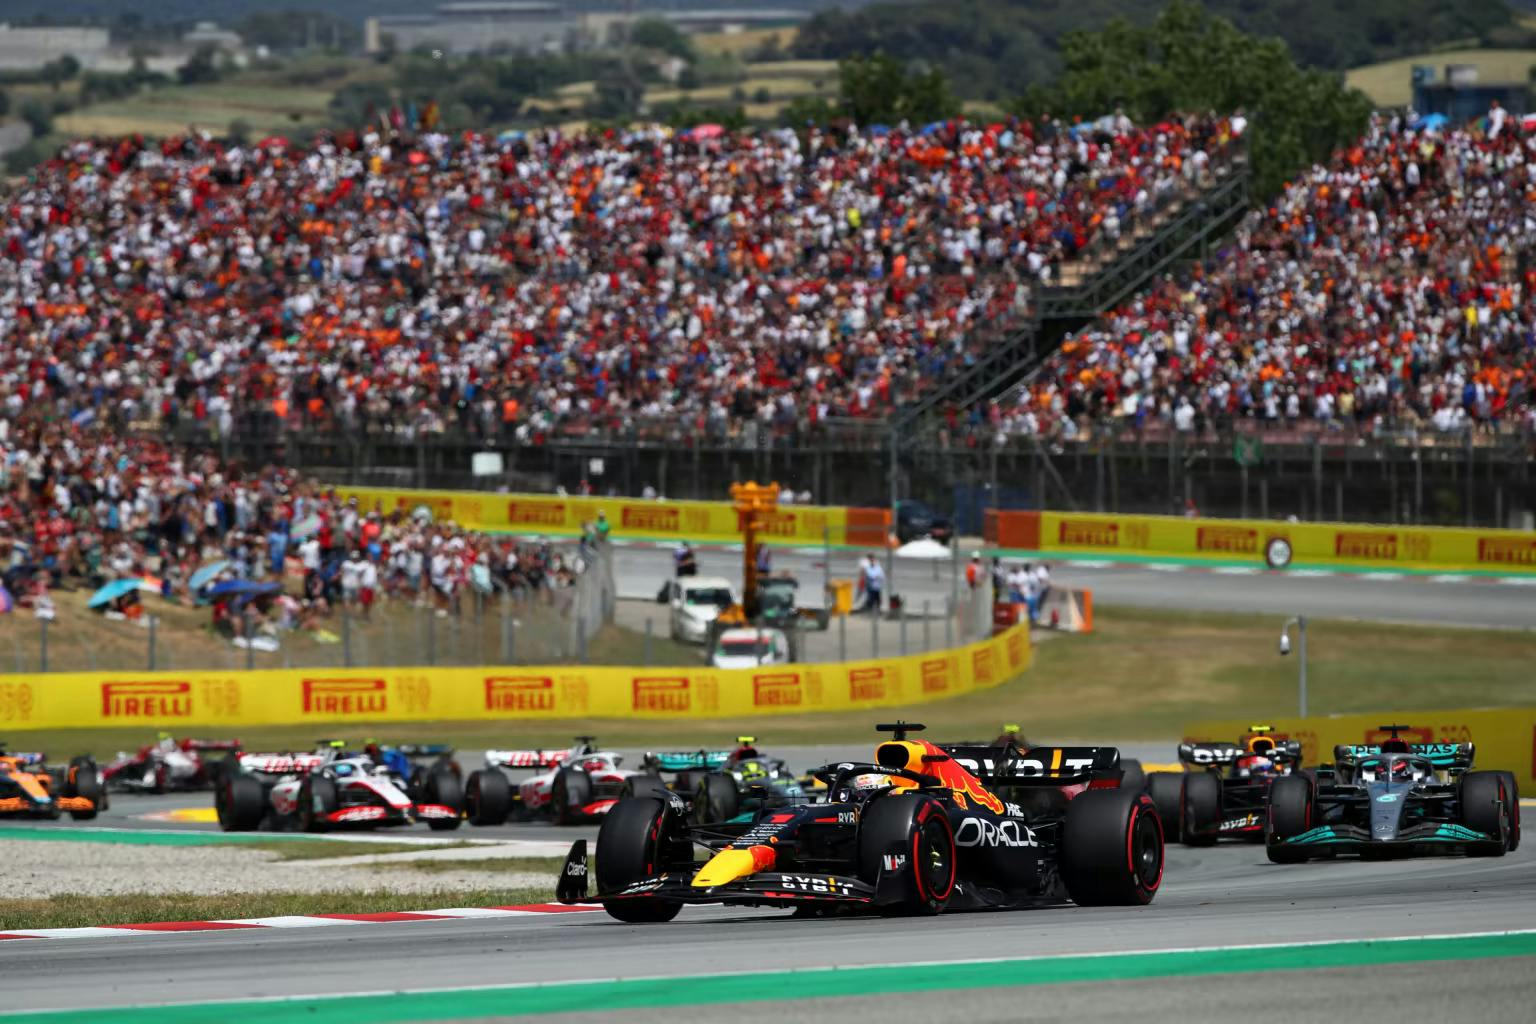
208 33
480 25
29 47
1460 94
474 27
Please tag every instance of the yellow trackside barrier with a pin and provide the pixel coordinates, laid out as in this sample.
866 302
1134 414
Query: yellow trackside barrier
630 518
1505 738
168 700
1259 542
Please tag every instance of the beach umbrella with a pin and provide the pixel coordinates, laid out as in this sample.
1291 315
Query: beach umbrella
707 131
205 575
116 589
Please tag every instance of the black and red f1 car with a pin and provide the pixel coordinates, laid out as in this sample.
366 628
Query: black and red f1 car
171 764
924 828
1223 792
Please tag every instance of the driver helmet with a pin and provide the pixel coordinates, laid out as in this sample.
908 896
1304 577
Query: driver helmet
1253 764
343 770
861 784
1405 771
751 771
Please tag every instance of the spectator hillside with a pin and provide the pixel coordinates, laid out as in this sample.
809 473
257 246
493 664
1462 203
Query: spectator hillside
1392 287
547 283
80 509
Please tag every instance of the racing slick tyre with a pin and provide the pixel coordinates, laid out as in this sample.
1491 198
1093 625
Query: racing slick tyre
1512 795
1485 808
569 792
318 799
716 799
639 839
1290 814
1202 809
443 787
241 803
646 785
910 837
221 769
487 797
85 782
1167 792
1112 849
1133 776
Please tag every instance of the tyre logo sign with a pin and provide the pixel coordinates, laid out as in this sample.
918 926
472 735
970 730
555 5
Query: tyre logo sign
1277 553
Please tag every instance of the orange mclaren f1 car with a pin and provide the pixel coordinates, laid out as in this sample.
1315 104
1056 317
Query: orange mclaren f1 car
31 789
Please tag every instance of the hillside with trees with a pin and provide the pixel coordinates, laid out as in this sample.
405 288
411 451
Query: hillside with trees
993 49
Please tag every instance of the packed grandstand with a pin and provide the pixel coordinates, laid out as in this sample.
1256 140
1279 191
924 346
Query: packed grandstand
547 284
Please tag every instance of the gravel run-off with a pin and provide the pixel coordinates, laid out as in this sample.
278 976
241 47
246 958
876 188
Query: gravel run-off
36 870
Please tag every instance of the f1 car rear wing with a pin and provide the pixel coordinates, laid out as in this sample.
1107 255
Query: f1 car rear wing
282 764
210 745
1207 754
1445 756
527 758
687 761
996 765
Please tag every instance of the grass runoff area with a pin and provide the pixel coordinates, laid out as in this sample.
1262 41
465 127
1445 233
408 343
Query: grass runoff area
1142 675
75 911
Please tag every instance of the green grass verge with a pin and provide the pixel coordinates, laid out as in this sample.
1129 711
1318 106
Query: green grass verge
521 865
85 911
325 850
1142 674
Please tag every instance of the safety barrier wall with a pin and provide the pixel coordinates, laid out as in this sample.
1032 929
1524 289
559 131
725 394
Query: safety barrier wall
632 518
1248 541
170 700
1505 738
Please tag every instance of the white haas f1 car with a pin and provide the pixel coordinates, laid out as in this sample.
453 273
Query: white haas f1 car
569 786
334 788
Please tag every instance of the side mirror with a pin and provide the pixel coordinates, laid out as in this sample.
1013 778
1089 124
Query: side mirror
1285 643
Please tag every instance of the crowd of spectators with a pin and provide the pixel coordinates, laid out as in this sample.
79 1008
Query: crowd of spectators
80 509
549 283
1392 288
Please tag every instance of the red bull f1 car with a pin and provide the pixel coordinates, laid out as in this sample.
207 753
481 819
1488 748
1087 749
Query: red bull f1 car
922 828
333 788
30 788
170 764
1224 788
1395 799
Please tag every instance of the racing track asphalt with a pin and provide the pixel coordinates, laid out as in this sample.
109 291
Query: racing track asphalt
1224 896
1450 599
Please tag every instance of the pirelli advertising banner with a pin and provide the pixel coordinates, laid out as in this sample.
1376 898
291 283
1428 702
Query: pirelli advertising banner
1504 738
170 700
1261 542
631 518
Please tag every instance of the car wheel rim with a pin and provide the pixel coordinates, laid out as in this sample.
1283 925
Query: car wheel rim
936 865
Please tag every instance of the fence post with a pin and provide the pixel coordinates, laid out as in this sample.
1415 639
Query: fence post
581 639
874 634
154 621
245 631
826 563
901 618
506 637
647 659
431 636
949 621
346 635
842 637
927 628
43 644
